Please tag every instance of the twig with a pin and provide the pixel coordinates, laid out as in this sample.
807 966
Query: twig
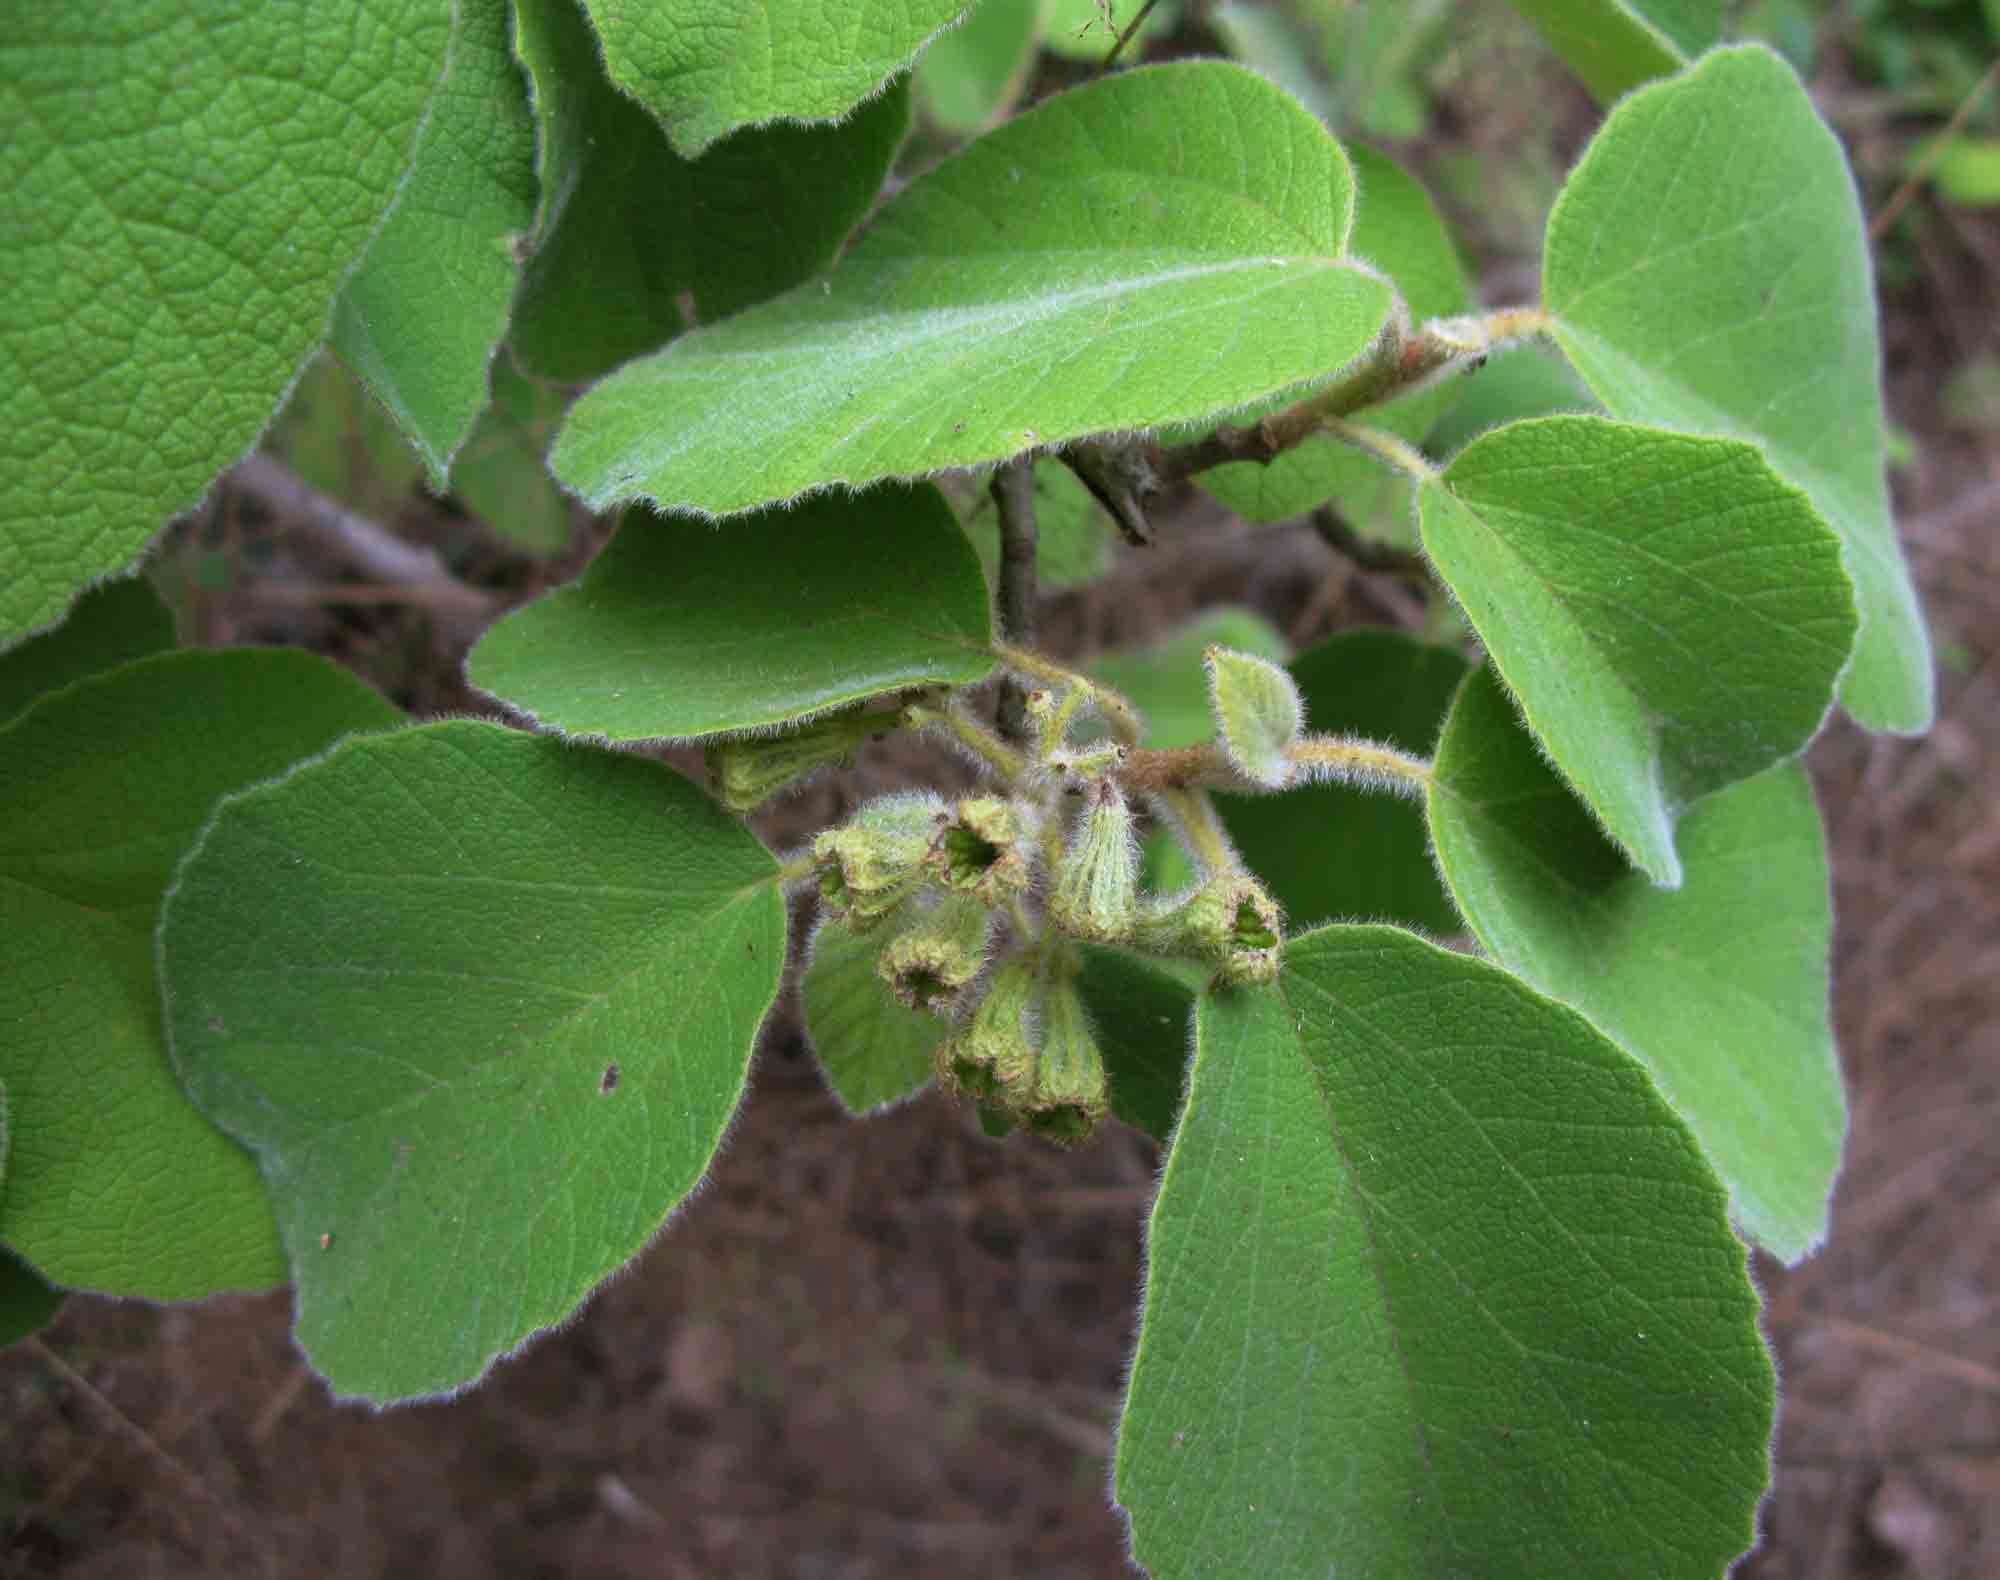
1916 178
339 534
1366 553
137 1435
1131 29
1013 490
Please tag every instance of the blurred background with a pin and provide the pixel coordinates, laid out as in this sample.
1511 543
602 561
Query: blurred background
893 1347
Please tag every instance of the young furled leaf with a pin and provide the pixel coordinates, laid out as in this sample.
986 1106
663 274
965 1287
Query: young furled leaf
1257 713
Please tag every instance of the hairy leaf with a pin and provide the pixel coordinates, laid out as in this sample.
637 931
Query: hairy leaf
707 67
1615 45
1158 247
1720 987
117 1184
1670 613
1333 851
1721 200
1437 1285
114 622
873 1050
1398 229
187 189
633 240
420 318
1257 713
481 1004
683 629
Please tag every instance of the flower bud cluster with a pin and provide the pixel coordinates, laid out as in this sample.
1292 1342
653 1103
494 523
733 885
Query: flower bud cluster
982 901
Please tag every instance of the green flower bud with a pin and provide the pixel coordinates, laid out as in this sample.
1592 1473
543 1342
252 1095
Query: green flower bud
1097 885
983 850
1229 922
748 770
875 861
993 1056
1071 1090
942 949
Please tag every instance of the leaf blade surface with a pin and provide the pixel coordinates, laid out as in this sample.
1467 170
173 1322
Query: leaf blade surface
1438 1284
498 1011
1154 248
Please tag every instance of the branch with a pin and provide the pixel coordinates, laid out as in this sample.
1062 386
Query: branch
1013 490
338 534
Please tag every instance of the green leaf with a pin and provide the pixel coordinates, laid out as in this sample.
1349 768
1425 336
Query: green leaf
704 68
188 186
1615 45
27 1300
114 622
116 1184
1721 199
482 1004
1139 1010
873 1050
1398 229
1671 614
1167 682
1439 1285
971 75
1966 171
633 240
1086 29
1257 713
1072 530
1719 988
420 318
502 474
1329 850
1158 247
1525 381
679 629
344 442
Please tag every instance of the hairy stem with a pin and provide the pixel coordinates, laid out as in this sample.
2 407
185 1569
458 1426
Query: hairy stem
1201 828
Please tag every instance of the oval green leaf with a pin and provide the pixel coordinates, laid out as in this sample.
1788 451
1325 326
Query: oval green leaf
1155 248
481 1003
1721 199
1438 1285
633 241
679 629
114 622
1719 988
176 173
1168 682
1671 614
420 318
704 68
116 1184
1329 851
